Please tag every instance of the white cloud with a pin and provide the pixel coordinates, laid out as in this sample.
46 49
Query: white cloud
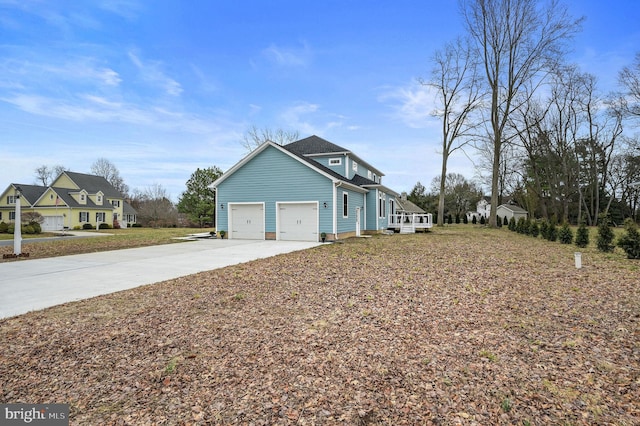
288 57
412 105
152 73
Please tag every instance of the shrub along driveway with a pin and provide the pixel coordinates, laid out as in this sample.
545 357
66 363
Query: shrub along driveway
462 325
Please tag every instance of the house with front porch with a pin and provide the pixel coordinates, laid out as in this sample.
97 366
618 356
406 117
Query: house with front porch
73 200
304 190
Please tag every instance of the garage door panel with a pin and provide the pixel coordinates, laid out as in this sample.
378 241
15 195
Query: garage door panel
247 222
52 223
298 221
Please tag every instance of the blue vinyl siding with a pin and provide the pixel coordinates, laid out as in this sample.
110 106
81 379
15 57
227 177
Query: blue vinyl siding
372 211
355 199
325 162
274 176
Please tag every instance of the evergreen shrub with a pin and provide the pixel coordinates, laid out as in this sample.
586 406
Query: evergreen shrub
582 235
3 228
534 229
565 235
630 242
552 234
605 235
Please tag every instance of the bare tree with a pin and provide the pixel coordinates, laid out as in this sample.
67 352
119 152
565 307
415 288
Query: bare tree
518 42
254 137
629 78
455 79
108 170
45 174
154 206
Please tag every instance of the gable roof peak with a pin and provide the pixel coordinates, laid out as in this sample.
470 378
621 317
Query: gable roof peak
314 145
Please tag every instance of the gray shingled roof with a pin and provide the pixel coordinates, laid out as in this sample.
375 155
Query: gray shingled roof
30 193
314 145
407 206
92 184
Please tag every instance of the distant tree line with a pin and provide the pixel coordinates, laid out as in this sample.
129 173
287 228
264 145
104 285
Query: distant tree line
545 134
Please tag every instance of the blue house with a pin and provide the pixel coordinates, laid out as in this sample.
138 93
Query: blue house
301 190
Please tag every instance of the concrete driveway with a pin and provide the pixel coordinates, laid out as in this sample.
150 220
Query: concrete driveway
28 285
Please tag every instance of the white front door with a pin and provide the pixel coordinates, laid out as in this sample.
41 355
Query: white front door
297 221
246 221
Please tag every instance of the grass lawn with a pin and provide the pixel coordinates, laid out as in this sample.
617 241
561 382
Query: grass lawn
462 325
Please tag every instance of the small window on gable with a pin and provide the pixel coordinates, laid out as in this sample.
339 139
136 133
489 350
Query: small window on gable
355 166
345 204
369 174
11 199
335 161
82 198
99 199
375 178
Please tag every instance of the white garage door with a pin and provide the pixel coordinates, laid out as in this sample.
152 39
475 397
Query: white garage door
52 223
298 221
247 221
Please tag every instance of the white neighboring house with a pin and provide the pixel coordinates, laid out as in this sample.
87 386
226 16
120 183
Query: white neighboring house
483 208
511 210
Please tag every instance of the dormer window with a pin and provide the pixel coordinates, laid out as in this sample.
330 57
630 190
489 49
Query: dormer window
369 174
99 199
354 166
335 161
83 197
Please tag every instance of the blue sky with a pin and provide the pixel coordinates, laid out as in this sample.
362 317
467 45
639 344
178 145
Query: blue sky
161 88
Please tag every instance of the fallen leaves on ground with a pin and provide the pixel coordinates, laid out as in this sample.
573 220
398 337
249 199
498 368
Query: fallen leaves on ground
462 326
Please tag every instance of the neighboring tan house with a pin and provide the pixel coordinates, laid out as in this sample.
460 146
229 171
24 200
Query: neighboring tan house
71 201
511 210
303 189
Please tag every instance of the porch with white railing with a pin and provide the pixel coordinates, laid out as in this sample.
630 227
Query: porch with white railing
409 223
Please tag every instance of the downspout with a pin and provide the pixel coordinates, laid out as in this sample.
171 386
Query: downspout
335 209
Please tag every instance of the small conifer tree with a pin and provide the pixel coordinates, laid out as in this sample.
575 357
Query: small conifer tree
457 217
474 220
544 229
534 230
482 220
449 219
630 242
512 224
552 234
582 235
605 234
505 221
465 219
565 235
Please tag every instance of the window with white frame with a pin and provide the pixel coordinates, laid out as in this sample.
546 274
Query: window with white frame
11 199
82 197
369 174
99 199
382 205
354 166
84 217
12 215
100 216
345 204
115 203
335 161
